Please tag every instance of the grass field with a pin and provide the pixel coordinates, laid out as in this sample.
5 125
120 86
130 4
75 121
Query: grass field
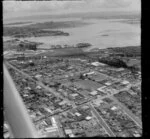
64 52
87 84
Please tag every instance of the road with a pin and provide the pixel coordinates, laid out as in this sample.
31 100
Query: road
60 129
100 123
101 120
48 89
41 84
124 108
128 112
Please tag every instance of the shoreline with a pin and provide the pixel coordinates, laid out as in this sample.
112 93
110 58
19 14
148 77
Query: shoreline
99 37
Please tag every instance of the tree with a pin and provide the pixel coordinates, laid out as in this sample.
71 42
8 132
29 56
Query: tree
81 77
116 62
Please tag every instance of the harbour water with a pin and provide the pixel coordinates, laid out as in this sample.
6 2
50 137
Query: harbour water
100 33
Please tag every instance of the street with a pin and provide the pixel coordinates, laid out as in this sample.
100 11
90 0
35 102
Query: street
102 122
129 113
97 115
41 84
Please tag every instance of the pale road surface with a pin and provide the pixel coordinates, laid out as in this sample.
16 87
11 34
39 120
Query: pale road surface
129 113
61 134
102 122
47 88
41 84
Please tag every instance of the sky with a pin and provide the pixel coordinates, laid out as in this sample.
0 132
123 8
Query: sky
25 8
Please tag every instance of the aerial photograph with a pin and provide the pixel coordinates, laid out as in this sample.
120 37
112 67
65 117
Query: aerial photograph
72 68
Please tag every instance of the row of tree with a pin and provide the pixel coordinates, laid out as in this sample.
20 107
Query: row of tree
118 63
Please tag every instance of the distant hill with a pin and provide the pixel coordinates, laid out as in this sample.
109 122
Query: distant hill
87 15
37 29
18 23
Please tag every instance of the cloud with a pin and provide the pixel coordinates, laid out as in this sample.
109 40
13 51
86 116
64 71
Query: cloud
115 4
16 8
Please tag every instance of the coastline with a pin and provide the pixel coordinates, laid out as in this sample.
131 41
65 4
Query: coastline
99 37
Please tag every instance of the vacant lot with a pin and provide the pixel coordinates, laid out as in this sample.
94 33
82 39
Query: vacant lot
99 77
87 84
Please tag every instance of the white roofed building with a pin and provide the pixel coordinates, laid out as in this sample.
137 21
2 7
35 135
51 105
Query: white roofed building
93 93
97 64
